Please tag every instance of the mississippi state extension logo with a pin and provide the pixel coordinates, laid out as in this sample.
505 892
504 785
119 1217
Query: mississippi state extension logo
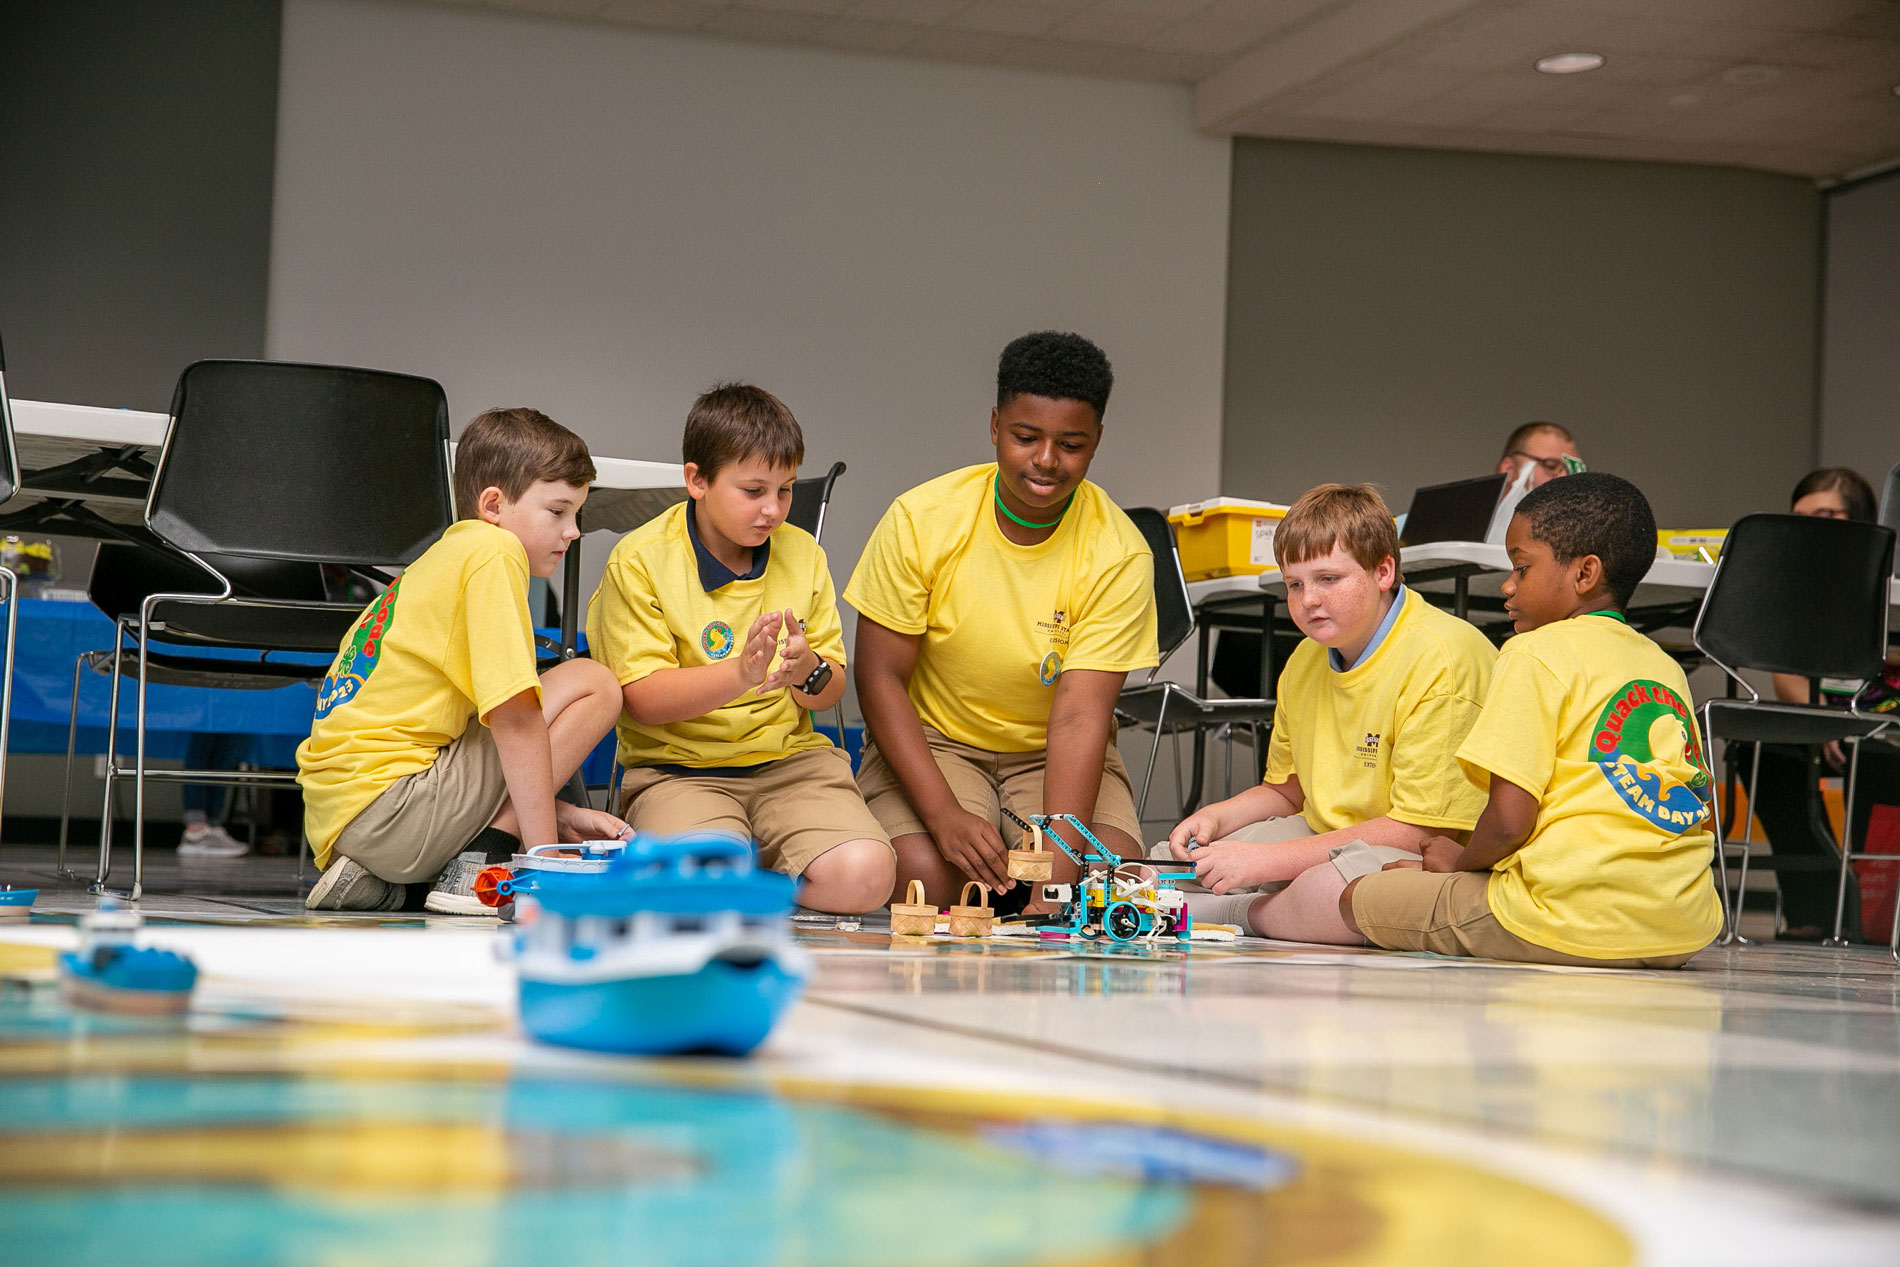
1050 669
1646 746
716 639
359 658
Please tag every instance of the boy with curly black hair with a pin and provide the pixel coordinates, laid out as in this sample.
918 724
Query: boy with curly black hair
1000 607
1593 847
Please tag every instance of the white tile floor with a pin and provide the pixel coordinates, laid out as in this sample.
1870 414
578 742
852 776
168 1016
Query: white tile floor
1744 1110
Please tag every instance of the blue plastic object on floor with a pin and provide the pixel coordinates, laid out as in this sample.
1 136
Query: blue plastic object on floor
678 945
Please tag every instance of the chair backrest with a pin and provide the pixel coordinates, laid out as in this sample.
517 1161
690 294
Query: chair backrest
320 463
1174 612
809 499
1890 508
9 455
1799 594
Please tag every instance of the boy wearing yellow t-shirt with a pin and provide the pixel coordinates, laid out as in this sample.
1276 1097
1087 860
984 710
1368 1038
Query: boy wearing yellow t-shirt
1000 607
1371 706
435 747
1593 847
720 624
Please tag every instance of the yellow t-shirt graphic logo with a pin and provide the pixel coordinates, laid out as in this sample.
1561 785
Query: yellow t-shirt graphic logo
1646 746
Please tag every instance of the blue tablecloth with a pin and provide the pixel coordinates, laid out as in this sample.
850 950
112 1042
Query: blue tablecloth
53 634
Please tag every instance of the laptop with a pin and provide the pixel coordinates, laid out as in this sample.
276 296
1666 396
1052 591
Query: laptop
1458 511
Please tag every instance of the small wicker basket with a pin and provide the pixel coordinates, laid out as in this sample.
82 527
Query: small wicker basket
972 921
913 917
1030 861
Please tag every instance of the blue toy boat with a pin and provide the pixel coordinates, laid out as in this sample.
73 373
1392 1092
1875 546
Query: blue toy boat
16 903
675 946
110 972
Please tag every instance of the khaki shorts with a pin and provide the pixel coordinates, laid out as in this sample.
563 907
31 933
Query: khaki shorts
984 781
797 807
422 820
1447 914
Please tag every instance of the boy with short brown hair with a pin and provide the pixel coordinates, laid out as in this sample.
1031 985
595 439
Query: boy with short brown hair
436 749
720 624
1371 707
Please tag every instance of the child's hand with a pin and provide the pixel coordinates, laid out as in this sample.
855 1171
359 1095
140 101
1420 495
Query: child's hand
1442 853
575 824
761 644
1191 832
1232 864
792 668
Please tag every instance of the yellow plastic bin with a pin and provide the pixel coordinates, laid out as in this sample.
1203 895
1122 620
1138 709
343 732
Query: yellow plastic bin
1688 543
1227 536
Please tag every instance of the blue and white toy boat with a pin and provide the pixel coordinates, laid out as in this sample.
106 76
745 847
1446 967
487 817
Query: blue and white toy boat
675 946
110 972
16 903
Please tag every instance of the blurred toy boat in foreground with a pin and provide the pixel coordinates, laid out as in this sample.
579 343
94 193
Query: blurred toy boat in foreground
110 972
673 946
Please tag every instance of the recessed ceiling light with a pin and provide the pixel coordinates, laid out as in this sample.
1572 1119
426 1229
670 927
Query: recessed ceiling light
1570 63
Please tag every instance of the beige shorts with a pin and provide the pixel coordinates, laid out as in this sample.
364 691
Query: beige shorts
983 782
422 820
1447 914
797 807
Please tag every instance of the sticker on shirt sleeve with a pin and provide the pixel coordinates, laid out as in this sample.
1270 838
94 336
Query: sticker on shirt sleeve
1050 669
716 639
359 657
1646 746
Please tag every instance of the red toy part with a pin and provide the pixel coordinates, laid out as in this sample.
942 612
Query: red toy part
487 885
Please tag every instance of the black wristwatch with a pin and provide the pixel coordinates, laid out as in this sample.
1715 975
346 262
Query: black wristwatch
819 677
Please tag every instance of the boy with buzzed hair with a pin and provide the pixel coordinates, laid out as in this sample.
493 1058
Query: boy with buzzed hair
720 625
1593 847
1371 706
436 749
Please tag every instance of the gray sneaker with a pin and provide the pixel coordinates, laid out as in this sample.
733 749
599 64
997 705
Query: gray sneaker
454 891
348 886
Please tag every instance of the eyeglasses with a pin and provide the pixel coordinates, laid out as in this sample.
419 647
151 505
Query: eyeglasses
1565 465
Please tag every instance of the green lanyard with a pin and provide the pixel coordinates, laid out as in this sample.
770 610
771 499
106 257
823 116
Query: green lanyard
1613 615
1016 518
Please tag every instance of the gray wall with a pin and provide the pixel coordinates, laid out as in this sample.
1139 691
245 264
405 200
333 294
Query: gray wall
137 140
1392 314
1860 365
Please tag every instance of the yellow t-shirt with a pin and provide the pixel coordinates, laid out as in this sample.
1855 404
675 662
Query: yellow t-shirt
1377 739
444 644
1001 622
652 612
1592 719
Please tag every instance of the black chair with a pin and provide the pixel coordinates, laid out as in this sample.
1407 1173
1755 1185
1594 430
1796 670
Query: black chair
1806 596
122 576
268 460
810 498
9 485
1169 706
1890 507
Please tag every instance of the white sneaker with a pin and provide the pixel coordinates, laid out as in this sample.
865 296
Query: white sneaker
203 840
454 891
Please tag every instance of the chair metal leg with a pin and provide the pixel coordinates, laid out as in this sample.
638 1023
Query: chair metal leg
112 763
1847 848
12 584
72 742
138 770
1748 838
1154 755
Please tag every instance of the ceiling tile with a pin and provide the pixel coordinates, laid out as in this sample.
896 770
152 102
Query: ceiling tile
1095 27
918 12
1006 17
668 15
1267 15
1383 96
825 7
764 24
867 37
1165 10
1207 37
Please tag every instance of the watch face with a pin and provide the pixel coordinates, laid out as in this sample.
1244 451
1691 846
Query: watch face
820 676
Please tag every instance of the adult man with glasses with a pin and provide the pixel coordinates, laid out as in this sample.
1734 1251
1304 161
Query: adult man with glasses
1547 448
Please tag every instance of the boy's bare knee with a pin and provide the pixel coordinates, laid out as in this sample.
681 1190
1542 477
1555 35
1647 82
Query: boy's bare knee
851 878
